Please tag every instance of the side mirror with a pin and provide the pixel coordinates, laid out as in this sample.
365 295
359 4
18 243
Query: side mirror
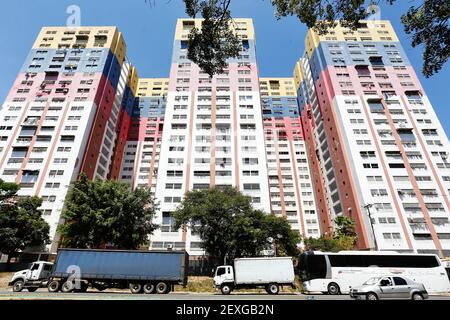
213 272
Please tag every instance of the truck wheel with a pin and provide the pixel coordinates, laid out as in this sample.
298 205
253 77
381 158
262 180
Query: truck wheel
32 289
135 288
18 285
272 288
162 288
149 288
225 289
67 287
53 286
333 288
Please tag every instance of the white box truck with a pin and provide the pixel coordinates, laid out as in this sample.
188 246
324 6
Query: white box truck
249 273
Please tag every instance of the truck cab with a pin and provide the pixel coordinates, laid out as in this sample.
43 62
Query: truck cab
224 274
33 278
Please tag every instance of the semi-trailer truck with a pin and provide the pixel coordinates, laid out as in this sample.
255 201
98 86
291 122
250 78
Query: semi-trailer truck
249 273
78 269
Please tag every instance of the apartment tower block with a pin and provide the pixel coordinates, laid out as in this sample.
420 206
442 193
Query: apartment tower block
378 151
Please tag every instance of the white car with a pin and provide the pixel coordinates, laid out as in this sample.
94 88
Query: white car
393 287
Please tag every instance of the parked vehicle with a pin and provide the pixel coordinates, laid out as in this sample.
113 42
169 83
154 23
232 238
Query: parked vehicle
446 264
389 288
33 278
77 269
337 272
249 273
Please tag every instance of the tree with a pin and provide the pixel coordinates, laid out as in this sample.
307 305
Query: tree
215 42
327 244
345 226
8 191
229 227
98 213
344 237
21 223
426 23
429 26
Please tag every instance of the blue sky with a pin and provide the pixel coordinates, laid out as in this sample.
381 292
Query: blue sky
149 30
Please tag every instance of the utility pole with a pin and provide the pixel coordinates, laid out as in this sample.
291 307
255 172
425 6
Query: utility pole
367 207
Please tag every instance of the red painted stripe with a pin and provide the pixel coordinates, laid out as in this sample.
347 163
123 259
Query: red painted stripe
386 174
413 180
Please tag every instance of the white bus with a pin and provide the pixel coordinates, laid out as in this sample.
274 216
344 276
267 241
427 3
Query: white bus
336 273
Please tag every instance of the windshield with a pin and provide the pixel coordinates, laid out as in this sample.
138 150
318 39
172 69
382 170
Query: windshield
372 281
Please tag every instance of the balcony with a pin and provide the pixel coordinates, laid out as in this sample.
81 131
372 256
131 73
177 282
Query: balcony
15 161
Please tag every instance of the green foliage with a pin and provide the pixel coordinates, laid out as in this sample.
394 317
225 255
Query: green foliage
229 226
21 223
345 226
344 237
322 15
7 190
106 212
329 244
215 43
429 26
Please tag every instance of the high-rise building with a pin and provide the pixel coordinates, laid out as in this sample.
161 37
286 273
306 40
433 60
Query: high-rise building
140 161
290 186
353 133
213 133
61 116
378 151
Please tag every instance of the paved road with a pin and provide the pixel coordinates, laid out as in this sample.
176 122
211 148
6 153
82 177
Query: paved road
93 295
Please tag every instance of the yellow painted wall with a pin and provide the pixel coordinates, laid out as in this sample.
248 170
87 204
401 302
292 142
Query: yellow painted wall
376 31
57 37
153 87
133 80
185 25
277 87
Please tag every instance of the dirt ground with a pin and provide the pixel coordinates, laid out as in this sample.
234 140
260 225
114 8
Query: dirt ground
5 277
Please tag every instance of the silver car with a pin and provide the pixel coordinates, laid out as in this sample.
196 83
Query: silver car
392 287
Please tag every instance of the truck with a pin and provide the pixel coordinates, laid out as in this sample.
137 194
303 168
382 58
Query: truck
75 270
250 273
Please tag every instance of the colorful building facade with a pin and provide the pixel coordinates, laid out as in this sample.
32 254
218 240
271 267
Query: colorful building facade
352 133
211 135
66 113
377 149
290 185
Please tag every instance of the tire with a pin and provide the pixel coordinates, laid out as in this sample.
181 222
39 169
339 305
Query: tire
67 287
417 296
162 288
225 289
272 288
149 288
333 289
135 288
18 285
53 286
371 296
32 289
